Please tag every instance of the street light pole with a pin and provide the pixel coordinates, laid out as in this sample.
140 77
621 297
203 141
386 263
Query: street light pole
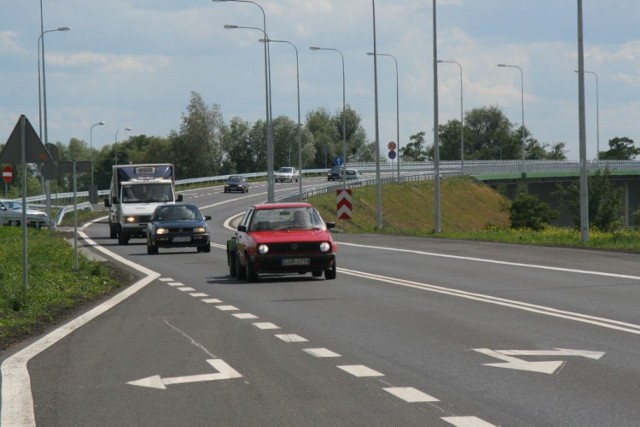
377 124
267 83
44 105
267 78
115 143
597 116
299 124
524 173
397 105
344 122
461 114
92 197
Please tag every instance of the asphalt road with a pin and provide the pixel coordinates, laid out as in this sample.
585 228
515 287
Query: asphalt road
413 332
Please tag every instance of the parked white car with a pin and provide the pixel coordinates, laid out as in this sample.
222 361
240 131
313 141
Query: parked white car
11 214
286 174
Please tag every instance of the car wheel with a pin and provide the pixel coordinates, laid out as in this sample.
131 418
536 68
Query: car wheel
316 273
113 231
240 271
251 273
205 248
151 249
123 239
331 273
232 265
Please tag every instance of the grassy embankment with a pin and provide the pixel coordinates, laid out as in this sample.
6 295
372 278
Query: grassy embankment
469 210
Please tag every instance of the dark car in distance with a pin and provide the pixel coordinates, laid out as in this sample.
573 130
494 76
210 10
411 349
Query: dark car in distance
236 183
334 173
178 225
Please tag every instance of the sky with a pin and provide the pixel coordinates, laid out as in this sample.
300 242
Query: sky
134 63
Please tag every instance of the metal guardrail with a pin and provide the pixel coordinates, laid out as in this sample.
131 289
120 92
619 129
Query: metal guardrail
409 169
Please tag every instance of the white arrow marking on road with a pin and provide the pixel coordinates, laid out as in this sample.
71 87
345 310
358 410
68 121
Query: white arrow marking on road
548 367
519 364
555 352
225 372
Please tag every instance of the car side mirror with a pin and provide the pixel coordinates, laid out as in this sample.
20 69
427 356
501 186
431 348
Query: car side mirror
207 217
331 225
242 228
179 198
107 203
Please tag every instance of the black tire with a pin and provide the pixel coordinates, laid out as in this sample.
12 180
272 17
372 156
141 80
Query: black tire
241 273
316 273
113 231
152 250
330 274
232 264
205 248
250 272
123 239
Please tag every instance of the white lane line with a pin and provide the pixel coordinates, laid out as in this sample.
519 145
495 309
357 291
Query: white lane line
492 261
166 279
360 371
266 325
226 308
533 308
467 422
321 352
245 316
212 301
410 394
186 289
175 284
198 295
291 338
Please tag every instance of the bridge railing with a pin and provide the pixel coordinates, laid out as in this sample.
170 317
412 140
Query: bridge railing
408 171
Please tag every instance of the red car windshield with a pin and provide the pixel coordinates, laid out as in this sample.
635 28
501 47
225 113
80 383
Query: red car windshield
300 218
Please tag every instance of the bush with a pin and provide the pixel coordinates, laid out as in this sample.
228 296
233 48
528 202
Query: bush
527 211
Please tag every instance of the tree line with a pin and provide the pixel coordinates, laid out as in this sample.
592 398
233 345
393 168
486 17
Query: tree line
207 145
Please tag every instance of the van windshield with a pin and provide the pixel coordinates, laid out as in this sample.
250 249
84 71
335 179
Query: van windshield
147 193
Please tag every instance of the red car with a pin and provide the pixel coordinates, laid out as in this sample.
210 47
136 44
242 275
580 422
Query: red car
277 238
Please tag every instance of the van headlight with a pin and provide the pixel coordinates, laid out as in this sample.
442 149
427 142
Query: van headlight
130 219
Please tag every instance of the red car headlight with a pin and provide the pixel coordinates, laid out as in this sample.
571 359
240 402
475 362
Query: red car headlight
263 249
325 246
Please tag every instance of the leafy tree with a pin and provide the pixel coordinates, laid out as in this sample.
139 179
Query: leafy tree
490 135
196 148
415 150
527 211
620 149
605 201
239 158
325 135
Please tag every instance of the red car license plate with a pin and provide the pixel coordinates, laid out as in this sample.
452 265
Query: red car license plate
295 261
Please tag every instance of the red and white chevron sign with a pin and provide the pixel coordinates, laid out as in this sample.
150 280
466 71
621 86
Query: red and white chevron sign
343 200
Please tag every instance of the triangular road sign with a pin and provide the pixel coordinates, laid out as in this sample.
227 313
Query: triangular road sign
35 150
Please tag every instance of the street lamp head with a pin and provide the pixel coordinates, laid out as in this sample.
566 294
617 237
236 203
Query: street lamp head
502 65
127 129
230 27
101 123
63 29
315 48
370 53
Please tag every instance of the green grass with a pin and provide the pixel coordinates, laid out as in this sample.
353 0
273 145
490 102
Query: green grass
469 210
53 287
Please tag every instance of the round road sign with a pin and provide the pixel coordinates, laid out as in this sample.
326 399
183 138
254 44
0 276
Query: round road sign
391 145
7 174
